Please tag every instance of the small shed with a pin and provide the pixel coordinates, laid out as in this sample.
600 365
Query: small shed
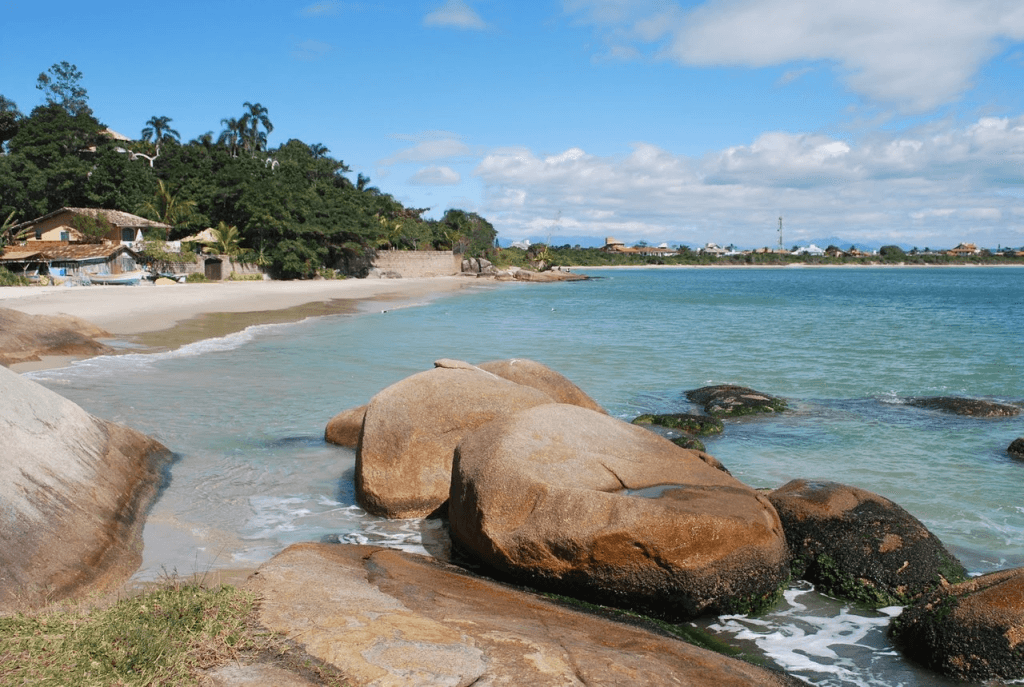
83 260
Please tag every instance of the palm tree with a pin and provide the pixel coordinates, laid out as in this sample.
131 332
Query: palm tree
157 128
257 115
318 150
226 239
167 207
232 135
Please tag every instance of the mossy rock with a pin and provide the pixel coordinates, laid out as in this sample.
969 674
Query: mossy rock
727 400
859 546
969 407
689 441
968 631
699 425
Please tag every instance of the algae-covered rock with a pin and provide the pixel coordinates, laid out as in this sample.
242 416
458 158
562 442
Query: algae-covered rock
860 546
970 407
969 631
727 400
699 425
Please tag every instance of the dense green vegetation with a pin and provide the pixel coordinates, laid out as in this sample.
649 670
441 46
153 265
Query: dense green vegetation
293 207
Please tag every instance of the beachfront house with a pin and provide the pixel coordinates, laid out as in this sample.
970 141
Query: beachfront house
64 227
75 261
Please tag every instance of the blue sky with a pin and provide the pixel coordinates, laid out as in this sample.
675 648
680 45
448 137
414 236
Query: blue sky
658 120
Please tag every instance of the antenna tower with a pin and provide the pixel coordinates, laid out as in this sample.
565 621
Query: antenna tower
780 235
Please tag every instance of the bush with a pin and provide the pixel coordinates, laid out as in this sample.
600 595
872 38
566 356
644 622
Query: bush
195 278
8 278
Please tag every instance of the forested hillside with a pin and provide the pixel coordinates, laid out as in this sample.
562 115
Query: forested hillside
294 209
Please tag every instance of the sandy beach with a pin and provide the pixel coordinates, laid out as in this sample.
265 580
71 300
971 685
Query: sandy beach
173 315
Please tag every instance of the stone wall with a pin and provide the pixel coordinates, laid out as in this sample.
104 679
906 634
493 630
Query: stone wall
418 263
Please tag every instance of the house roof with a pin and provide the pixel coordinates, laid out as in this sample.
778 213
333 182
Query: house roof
85 251
20 256
121 220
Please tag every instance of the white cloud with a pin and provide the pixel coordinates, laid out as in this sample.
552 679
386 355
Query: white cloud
911 54
435 176
455 14
430 150
931 187
310 50
327 8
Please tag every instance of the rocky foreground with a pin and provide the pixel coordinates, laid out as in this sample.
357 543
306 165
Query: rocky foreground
541 489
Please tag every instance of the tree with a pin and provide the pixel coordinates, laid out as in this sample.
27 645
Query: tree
255 140
226 239
60 84
318 150
231 136
891 252
168 208
10 117
157 128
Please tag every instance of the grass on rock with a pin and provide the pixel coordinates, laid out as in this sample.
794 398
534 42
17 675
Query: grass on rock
164 637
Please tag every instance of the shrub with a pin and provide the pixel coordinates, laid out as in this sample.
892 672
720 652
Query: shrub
195 278
8 278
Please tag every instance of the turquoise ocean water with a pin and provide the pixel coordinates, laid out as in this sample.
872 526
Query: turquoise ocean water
246 413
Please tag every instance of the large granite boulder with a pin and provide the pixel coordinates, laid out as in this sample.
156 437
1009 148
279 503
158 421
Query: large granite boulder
343 429
727 400
411 428
542 377
971 407
25 338
570 500
970 631
860 546
74 491
388 618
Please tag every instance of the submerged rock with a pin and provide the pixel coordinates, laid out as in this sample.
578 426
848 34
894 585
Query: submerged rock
726 400
573 501
385 617
74 491
1016 448
699 425
859 546
969 631
971 407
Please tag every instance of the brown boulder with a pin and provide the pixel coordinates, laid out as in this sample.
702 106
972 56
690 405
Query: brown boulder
411 428
570 500
74 491
343 429
860 546
385 617
24 338
542 377
971 407
970 631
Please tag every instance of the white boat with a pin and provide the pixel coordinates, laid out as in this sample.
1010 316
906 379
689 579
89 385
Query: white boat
127 278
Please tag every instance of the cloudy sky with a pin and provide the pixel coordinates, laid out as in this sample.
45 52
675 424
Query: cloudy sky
659 120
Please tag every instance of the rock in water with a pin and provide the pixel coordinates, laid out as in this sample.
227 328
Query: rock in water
404 460
1016 448
860 546
389 618
970 631
727 400
971 407
542 377
574 501
74 491
24 338
344 428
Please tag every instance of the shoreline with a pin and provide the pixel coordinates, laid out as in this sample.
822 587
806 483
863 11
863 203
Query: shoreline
153 318
793 265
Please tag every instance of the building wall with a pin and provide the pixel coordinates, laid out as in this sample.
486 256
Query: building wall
418 263
51 230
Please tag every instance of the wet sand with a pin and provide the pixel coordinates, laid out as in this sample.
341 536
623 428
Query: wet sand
159 317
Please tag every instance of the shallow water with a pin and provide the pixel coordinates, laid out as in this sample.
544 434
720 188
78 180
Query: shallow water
246 412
